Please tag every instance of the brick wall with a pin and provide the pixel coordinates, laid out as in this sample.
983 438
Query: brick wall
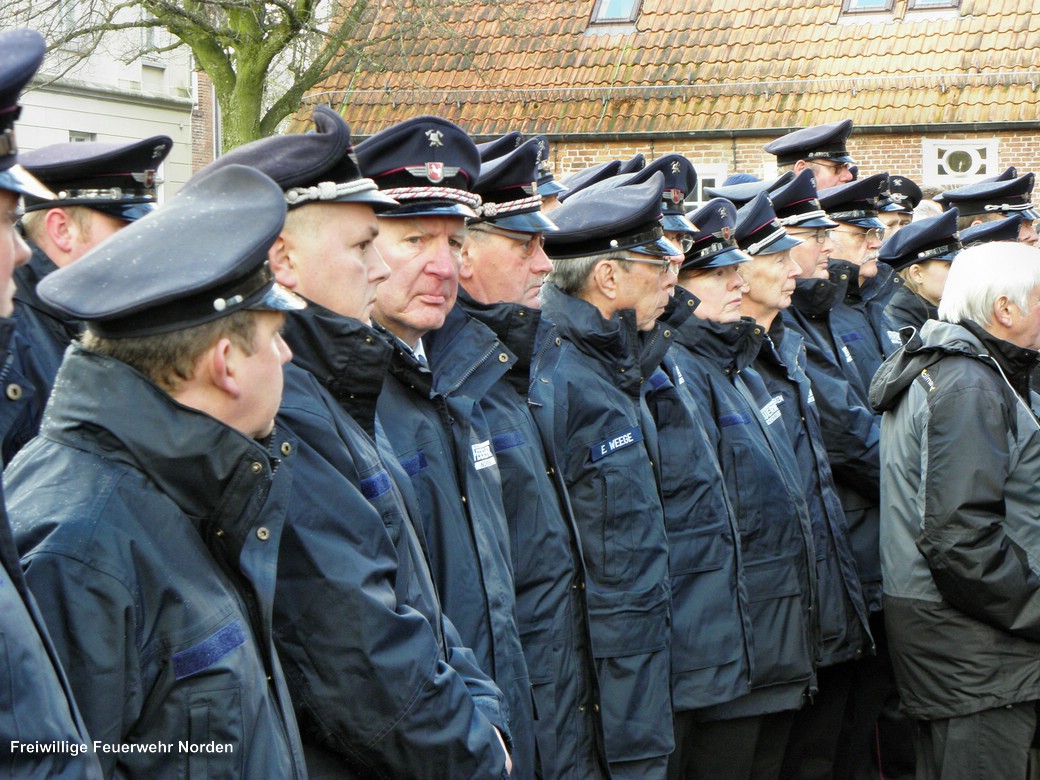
901 154
203 124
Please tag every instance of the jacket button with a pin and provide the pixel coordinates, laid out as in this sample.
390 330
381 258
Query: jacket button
263 534
256 467
551 472
667 334
595 708
503 357
286 448
558 342
463 499
13 392
521 313
368 339
581 708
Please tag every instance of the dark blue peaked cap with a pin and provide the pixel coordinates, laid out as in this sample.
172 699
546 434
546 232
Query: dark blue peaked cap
856 202
797 205
427 164
499 146
715 242
934 238
589 176
680 179
611 217
759 232
634 164
318 167
508 187
117 178
901 196
200 257
21 54
998 230
821 142
746 191
1001 196
547 184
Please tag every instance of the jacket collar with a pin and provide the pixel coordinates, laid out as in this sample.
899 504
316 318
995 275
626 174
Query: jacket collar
209 470
515 325
848 272
1017 363
31 274
816 297
346 356
732 346
465 352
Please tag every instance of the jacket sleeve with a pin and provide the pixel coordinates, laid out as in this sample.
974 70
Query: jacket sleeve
90 616
366 671
486 695
851 431
976 566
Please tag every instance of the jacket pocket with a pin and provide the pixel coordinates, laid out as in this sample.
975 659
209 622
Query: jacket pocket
214 744
630 633
542 668
779 625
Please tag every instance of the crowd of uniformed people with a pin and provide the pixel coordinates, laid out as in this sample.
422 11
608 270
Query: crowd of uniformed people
405 459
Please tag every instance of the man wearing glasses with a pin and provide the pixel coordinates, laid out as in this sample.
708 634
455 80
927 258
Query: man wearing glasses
820 149
613 276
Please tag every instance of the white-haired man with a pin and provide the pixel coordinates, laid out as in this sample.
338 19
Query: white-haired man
960 541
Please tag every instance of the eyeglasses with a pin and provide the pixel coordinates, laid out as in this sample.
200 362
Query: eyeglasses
872 234
664 265
682 240
529 242
837 167
820 236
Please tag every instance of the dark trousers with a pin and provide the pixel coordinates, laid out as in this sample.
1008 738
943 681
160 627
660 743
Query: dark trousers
988 745
877 740
812 750
739 749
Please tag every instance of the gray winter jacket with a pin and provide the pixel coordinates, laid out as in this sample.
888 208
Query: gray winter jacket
960 524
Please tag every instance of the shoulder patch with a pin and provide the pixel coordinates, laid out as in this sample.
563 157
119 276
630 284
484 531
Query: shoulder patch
210 650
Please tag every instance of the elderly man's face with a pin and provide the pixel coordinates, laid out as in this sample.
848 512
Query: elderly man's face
830 173
771 283
858 245
814 251
645 284
1025 328
504 266
423 255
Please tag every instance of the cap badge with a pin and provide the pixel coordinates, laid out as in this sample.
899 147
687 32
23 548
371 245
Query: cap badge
676 168
436 138
147 178
434 171
159 151
722 211
897 182
725 232
675 196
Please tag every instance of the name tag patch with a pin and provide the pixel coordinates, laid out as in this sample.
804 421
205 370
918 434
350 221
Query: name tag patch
679 378
893 336
619 442
483 455
846 353
771 411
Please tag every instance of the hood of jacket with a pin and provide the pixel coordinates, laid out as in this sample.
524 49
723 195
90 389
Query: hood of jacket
937 339
732 346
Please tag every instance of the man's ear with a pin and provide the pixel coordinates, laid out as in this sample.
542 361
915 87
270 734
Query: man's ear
1002 311
466 261
221 364
605 277
59 227
280 256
